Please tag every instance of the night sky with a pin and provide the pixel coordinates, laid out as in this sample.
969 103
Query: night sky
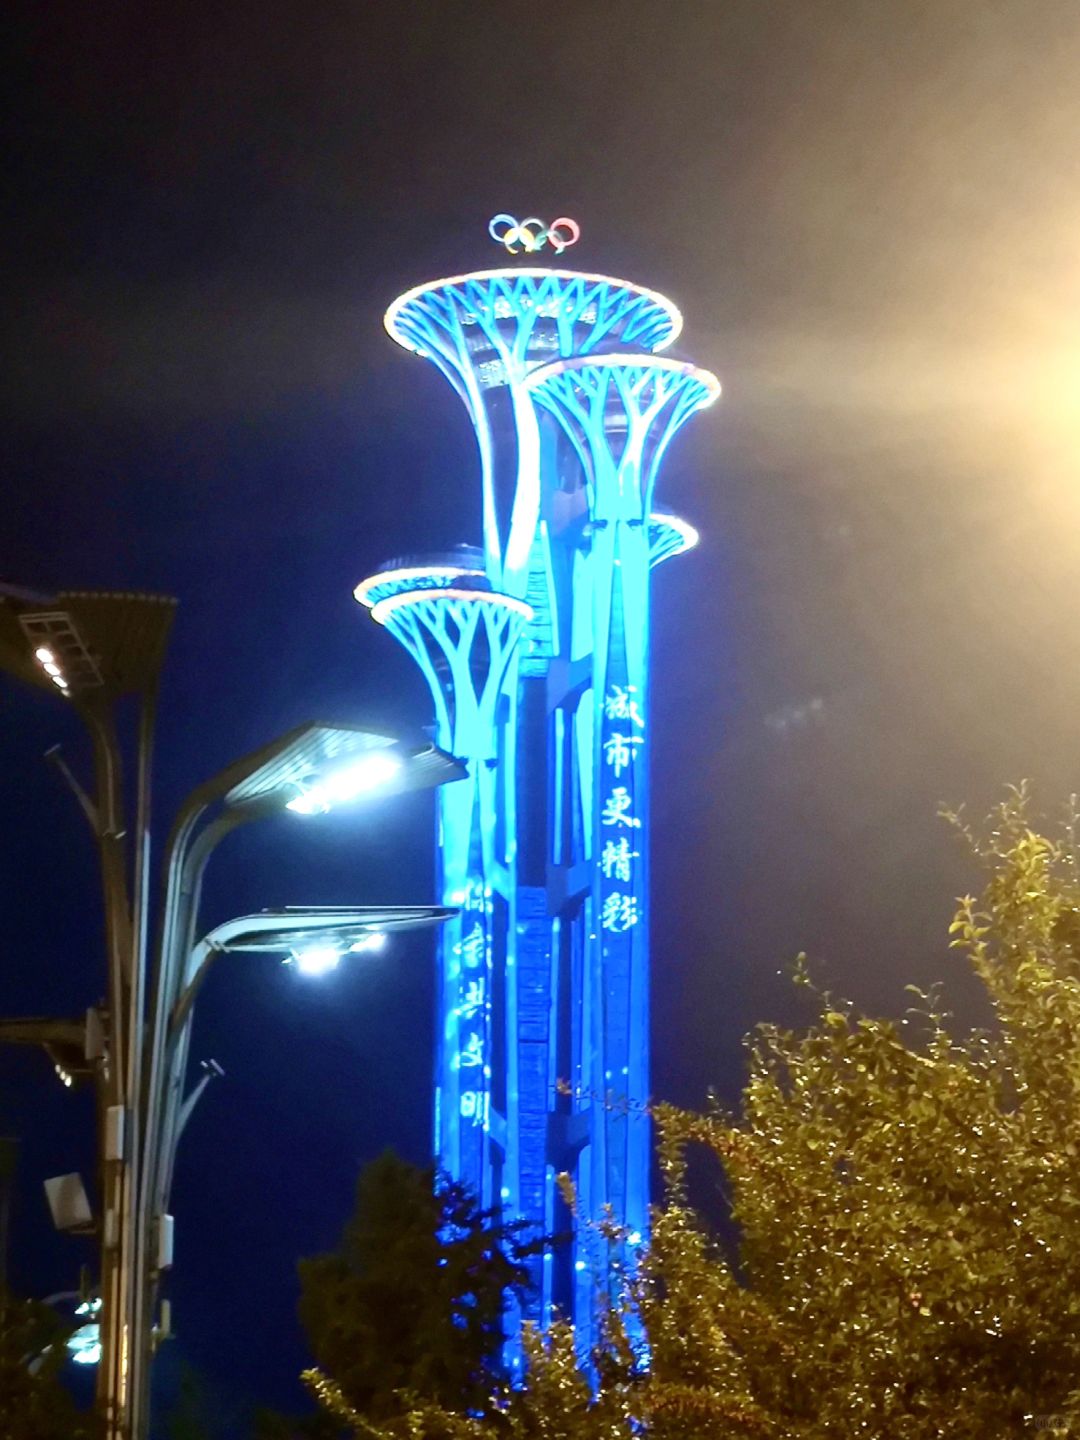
869 213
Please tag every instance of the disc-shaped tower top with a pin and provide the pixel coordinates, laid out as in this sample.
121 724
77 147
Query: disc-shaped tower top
459 569
620 413
463 634
604 387
498 324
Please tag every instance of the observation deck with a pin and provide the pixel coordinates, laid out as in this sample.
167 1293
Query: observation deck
498 324
486 331
620 412
463 635
459 569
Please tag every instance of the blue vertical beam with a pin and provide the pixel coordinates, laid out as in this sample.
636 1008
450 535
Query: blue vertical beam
619 413
466 642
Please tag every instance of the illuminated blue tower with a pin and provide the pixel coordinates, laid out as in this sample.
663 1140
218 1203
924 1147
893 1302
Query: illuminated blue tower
465 638
536 651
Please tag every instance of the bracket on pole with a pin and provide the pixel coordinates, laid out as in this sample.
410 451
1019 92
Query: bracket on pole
55 757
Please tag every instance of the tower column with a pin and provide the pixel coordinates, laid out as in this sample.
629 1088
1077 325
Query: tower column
465 639
619 412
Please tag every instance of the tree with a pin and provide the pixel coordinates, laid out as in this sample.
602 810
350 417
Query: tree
907 1200
409 1308
33 1403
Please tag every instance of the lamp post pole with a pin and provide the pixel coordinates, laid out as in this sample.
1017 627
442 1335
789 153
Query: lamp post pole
96 648
251 789
119 1136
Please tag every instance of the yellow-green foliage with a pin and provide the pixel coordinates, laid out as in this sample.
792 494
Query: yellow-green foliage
908 1205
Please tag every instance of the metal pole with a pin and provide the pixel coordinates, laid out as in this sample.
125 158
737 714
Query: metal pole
153 1080
134 1225
186 858
116 1157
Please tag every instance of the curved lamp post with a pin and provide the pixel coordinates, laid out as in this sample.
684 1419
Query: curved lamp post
292 931
308 771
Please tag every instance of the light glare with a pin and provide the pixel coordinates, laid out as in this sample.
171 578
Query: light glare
319 960
348 783
84 1346
369 944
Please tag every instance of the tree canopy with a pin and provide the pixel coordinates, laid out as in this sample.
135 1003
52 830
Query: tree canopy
907 1205
409 1308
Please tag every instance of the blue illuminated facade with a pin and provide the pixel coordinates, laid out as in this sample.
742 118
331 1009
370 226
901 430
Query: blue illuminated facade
535 647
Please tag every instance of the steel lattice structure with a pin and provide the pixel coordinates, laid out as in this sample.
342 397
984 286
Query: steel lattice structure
536 650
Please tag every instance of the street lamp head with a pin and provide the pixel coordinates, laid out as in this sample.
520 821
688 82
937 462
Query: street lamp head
347 929
84 1343
82 641
316 767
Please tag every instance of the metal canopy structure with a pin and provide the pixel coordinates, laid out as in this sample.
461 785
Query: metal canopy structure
535 647
276 930
316 749
109 640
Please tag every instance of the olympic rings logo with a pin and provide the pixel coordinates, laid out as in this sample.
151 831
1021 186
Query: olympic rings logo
531 235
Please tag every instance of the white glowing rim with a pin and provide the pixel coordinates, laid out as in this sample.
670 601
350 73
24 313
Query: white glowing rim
536 378
671 310
391 577
382 608
682 528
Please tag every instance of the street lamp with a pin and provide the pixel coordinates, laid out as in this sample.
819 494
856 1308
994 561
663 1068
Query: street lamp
307 771
94 648
100 647
315 939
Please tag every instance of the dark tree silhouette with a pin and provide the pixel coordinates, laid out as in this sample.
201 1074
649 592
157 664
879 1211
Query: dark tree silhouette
409 1308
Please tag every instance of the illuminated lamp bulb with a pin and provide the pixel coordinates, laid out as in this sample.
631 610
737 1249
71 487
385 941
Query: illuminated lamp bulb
341 786
319 960
84 1346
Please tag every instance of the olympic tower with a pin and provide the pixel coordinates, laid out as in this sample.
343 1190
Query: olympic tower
535 647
